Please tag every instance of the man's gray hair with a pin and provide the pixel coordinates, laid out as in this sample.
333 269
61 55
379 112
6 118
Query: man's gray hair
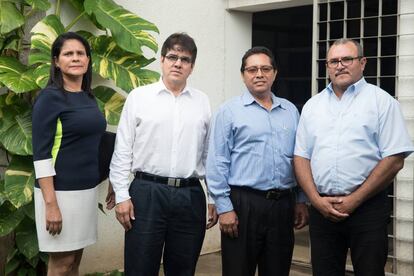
348 40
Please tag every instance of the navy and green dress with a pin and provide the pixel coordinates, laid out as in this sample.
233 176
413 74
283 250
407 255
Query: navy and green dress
67 128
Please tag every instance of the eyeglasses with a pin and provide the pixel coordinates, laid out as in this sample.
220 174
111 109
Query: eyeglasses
253 70
183 59
345 61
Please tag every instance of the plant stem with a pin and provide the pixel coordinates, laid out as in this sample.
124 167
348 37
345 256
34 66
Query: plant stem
57 11
29 13
74 21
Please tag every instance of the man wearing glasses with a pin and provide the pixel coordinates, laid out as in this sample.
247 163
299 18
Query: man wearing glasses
162 140
350 144
250 174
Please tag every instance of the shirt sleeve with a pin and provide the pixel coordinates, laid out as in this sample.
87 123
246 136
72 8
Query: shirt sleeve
207 138
300 195
301 145
393 137
218 161
45 116
121 162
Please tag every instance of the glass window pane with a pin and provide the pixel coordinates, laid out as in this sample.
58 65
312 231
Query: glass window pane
321 68
354 8
353 28
322 31
388 66
321 85
389 6
323 12
370 47
389 25
371 27
371 67
388 84
336 29
388 46
337 10
371 80
371 8
322 50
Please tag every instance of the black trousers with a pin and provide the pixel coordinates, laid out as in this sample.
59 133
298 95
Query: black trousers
364 232
169 218
265 239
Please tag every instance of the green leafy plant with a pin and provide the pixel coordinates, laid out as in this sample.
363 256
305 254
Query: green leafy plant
116 54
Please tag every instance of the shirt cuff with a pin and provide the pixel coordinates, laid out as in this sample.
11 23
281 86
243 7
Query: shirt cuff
44 168
223 205
121 196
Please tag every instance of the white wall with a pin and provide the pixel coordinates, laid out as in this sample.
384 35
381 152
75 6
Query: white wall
405 179
222 37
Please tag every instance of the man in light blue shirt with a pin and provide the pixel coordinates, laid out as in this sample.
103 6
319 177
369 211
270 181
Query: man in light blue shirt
250 175
350 144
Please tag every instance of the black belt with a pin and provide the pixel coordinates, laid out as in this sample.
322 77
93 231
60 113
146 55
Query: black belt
170 181
274 194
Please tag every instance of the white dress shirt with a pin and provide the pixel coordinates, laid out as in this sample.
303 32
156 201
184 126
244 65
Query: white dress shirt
160 134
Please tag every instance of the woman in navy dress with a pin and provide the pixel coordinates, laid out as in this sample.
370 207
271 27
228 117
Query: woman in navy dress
67 128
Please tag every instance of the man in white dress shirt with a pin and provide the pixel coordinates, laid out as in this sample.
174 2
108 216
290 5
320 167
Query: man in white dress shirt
162 140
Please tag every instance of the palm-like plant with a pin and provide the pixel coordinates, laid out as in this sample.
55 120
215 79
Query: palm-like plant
116 55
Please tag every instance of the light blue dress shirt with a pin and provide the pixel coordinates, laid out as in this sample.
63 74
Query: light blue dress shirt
251 146
344 139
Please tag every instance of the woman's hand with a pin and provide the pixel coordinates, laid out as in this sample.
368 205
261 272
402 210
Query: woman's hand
53 219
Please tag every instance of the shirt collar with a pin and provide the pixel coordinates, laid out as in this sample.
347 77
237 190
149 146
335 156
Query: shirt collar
356 87
160 85
248 99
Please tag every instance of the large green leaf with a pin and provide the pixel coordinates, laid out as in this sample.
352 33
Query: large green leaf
111 62
10 106
42 5
10 41
34 261
16 132
16 76
110 103
42 73
44 34
10 217
29 210
10 17
127 28
78 5
26 238
19 180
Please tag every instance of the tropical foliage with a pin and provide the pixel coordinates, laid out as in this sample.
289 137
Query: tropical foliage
117 55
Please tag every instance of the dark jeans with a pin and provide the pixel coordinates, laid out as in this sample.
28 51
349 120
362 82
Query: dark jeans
265 236
364 232
169 218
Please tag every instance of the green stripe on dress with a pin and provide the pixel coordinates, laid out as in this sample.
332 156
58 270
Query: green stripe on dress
58 140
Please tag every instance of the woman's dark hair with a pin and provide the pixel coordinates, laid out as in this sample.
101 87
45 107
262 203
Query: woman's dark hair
56 77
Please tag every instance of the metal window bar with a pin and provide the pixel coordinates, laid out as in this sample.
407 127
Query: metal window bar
318 76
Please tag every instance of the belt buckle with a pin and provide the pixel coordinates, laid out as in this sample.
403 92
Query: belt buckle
174 182
273 195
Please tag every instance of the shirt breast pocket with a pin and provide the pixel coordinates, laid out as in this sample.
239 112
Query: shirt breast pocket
362 125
